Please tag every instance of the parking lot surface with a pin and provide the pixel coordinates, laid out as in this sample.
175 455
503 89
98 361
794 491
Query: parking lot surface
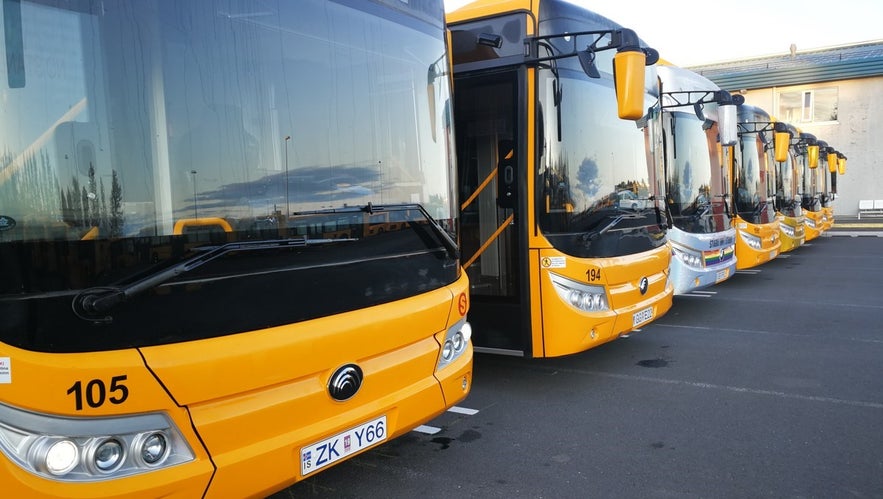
767 385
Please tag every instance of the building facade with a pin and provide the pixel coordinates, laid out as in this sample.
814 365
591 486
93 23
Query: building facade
834 93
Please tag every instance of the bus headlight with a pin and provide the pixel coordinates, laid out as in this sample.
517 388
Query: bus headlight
108 455
90 449
751 240
690 257
810 222
786 229
55 456
455 342
581 296
153 448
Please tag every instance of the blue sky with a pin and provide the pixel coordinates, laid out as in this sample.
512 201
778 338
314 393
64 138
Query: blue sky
690 32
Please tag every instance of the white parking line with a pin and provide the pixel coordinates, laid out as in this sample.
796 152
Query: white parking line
737 389
429 430
749 271
463 410
432 430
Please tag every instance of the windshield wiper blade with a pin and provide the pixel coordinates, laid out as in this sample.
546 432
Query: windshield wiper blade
370 208
614 221
93 303
449 244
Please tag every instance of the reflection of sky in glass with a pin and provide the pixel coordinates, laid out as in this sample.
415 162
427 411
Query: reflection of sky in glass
190 103
821 175
785 179
748 174
54 58
689 166
600 152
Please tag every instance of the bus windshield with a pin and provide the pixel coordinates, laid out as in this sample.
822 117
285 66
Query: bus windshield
751 178
821 185
809 200
137 135
597 173
696 181
787 200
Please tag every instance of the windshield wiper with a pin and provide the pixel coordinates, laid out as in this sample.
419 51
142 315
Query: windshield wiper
449 244
93 303
594 232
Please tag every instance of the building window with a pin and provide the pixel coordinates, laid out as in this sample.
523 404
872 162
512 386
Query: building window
808 106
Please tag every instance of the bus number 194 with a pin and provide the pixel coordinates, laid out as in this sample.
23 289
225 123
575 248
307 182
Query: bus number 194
593 275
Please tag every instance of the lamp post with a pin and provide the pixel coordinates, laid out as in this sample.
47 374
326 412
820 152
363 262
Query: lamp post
287 203
195 206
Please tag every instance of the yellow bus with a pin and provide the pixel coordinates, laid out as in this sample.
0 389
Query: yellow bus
562 227
807 154
192 301
835 161
789 211
757 230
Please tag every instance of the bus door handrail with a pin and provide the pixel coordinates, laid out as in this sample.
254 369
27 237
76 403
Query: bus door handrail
491 239
480 188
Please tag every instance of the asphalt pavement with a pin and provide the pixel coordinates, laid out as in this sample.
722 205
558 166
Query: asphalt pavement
769 384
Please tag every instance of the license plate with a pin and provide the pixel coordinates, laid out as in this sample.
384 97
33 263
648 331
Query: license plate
642 316
320 454
773 254
722 274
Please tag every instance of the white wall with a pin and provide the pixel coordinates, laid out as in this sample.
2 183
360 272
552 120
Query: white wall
858 134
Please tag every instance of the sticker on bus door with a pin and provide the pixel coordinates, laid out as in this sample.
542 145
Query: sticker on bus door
5 371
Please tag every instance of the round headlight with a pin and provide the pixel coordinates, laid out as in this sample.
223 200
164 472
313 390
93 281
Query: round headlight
574 298
108 455
154 448
457 341
61 457
447 350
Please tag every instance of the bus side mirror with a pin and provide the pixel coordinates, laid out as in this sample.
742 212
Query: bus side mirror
727 125
628 73
812 153
832 160
782 141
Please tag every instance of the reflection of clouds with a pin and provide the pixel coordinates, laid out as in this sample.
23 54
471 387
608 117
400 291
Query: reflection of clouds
588 177
305 185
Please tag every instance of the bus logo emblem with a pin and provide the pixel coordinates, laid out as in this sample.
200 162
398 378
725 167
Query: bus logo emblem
345 382
643 285
6 223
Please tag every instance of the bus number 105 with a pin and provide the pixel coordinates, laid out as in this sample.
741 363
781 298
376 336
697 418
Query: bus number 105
95 392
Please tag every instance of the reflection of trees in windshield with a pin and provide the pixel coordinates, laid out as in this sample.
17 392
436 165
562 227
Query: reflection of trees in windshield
587 175
36 191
